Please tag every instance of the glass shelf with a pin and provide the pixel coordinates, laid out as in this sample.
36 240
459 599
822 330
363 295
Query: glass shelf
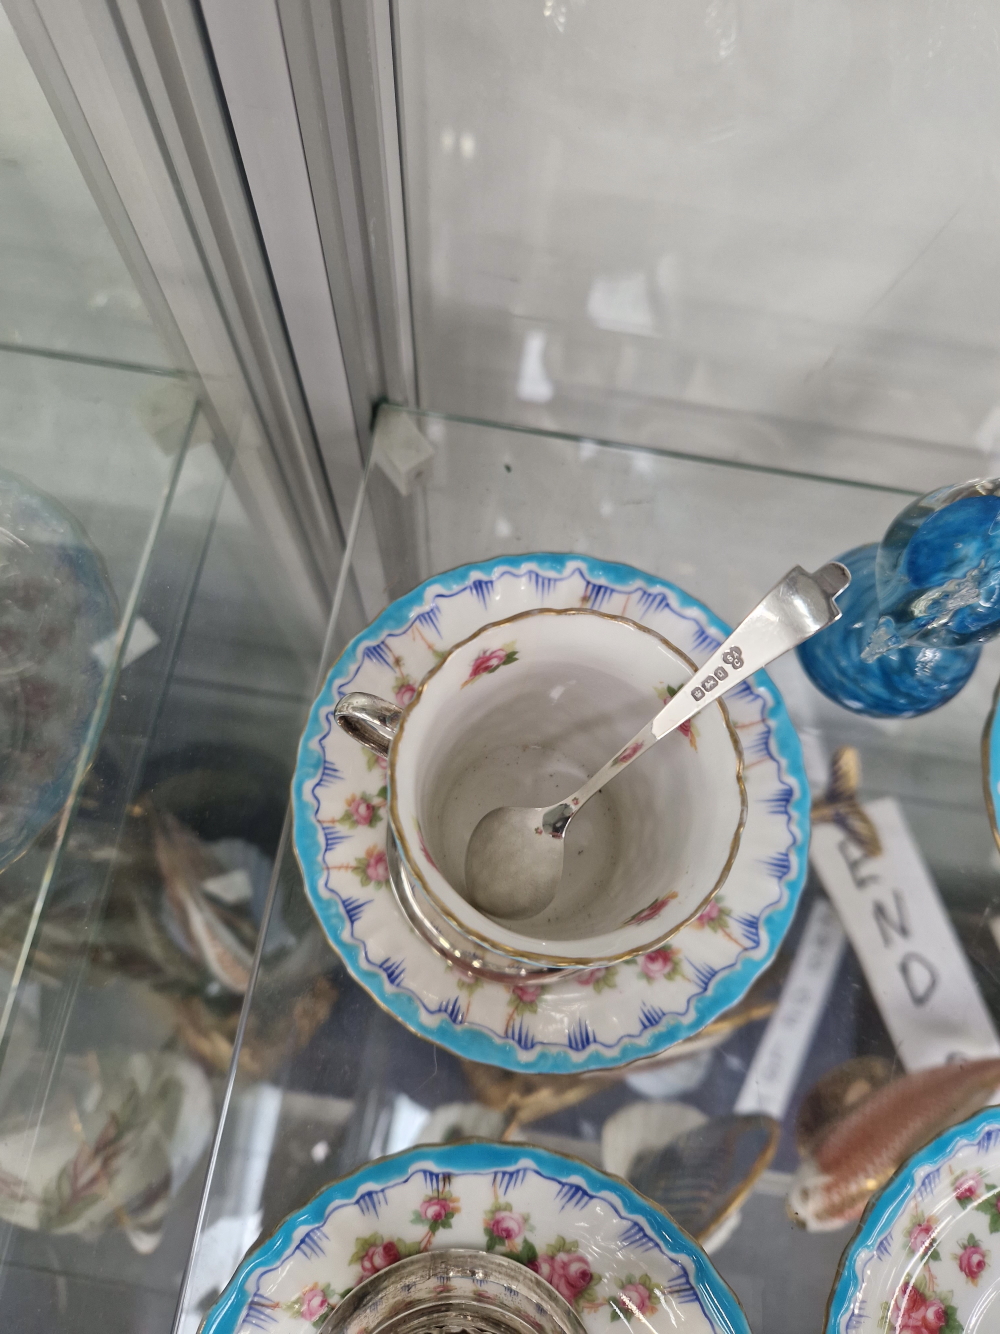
362 1085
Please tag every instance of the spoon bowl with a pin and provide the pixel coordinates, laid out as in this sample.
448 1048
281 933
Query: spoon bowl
509 847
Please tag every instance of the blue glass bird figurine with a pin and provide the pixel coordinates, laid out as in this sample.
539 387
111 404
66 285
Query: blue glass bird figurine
920 604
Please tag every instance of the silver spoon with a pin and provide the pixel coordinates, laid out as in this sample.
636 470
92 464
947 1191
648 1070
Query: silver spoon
514 860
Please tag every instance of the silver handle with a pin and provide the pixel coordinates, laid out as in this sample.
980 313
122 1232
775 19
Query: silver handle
369 719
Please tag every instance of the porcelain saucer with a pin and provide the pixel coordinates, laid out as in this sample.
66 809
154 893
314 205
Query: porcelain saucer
607 1250
603 1017
926 1255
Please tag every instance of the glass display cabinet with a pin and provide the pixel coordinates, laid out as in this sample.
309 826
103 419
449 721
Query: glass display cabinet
304 303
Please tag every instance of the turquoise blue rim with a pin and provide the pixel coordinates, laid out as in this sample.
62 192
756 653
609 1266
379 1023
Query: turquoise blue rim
726 988
232 1308
883 1213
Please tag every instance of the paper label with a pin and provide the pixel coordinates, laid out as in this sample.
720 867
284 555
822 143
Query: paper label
142 637
774 1071
905 942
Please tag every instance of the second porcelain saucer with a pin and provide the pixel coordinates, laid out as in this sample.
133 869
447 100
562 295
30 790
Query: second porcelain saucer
603 1017
610 1253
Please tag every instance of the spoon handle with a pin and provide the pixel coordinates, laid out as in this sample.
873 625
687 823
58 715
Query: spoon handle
795 608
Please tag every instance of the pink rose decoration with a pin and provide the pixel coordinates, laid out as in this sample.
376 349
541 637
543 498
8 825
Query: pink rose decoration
636 1297
967 1187
708 914
935 1316
591 976
921 1235
544 1266
507 1225
377 868
908 1308
571 1274
487 661
568 1272
913 1312
314 1302
379 1257
435 1211
628 753
405 694
526 992
576 1268
361 810
649 913
657 962
972 1262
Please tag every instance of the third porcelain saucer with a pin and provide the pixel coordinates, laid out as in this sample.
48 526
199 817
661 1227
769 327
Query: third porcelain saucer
926 1255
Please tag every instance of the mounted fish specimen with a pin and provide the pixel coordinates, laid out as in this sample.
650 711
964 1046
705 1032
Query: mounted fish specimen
128 939
835 1094
861 1150
703 1176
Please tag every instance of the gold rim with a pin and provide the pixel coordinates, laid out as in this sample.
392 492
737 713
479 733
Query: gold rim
530 956
984 750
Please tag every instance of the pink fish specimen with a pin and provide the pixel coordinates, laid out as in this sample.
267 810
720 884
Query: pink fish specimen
860 1152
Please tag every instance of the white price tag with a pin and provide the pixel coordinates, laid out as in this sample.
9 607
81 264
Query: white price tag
914 963
777 1063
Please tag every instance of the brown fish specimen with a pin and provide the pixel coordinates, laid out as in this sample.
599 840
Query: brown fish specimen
861 1151
836 1093
839 804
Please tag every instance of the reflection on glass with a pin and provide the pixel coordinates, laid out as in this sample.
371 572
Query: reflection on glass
155 670
784 211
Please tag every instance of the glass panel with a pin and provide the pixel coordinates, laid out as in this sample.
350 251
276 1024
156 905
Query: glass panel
691 225
354 1083
156 666
63 285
